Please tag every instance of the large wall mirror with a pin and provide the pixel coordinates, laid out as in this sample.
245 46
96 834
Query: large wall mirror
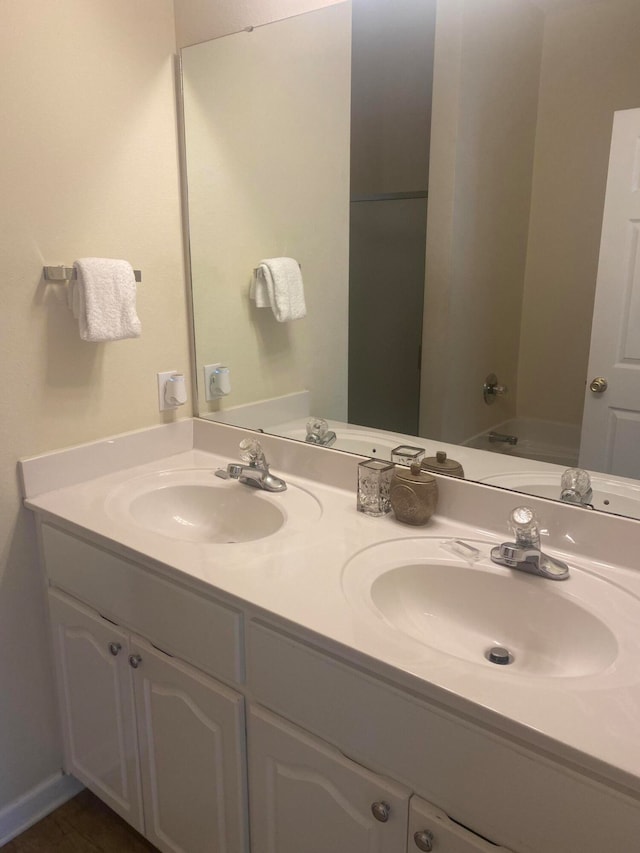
445 172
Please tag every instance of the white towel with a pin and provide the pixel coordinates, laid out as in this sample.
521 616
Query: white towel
103 299
277 284
258 291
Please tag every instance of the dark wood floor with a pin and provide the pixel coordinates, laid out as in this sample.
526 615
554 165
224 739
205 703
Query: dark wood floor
82 825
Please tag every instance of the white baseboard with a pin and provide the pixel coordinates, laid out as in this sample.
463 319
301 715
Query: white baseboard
36 804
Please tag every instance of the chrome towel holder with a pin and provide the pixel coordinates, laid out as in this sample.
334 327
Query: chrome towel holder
62 273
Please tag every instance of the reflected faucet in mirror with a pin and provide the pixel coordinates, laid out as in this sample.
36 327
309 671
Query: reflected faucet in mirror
575 487
318 432
502 438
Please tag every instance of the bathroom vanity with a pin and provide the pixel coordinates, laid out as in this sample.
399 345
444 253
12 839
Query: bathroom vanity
281 692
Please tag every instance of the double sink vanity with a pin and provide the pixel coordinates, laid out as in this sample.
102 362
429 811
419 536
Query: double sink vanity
241 670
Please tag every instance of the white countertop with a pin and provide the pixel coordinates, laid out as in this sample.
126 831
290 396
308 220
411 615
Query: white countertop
297 575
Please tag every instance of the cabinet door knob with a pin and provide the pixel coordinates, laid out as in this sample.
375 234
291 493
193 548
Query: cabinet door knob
114 648
381 811
424 840
135 661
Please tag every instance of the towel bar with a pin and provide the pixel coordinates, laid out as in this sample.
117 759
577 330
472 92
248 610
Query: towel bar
67 273
255 269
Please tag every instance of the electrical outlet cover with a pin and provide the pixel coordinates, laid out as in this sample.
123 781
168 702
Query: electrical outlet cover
163 406
208 373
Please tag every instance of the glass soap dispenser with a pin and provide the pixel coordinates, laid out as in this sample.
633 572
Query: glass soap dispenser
413 494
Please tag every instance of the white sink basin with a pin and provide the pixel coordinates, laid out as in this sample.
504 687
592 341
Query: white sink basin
194 505
610 495
550 628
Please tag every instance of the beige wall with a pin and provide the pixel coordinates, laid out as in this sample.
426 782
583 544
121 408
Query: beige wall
89 167
267 148
201 20
591 67
486 76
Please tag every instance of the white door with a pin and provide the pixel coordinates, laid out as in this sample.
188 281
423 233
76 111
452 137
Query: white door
306 797
610 439
97 709
431 829
191 735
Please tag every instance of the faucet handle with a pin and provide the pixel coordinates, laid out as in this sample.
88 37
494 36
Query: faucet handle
575 486
317 427
251 451
525 527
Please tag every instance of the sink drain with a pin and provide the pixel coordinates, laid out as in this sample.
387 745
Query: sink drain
499 655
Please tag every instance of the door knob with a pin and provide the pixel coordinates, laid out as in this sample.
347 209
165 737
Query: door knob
114 648
135 661
599 385
424 840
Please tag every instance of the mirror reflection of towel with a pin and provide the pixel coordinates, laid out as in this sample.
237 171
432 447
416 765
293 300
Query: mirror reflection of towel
277 284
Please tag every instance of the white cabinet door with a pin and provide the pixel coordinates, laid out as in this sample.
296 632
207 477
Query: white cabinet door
306 797
96 698
431 829
191 735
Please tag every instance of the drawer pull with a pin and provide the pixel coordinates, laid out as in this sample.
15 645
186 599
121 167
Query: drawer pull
135 661
114 648
424 840
381 811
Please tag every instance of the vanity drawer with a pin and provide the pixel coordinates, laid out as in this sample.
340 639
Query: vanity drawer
191 626
499 789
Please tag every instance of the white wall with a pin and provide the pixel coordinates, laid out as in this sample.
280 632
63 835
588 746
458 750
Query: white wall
486 77
267 150
89 167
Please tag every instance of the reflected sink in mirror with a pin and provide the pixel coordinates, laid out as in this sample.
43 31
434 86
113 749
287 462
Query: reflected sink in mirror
567 629
362 442
193 505
612 495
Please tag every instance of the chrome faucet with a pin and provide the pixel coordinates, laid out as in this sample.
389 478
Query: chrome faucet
575 487
502 438
318 432
256 473
525 554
